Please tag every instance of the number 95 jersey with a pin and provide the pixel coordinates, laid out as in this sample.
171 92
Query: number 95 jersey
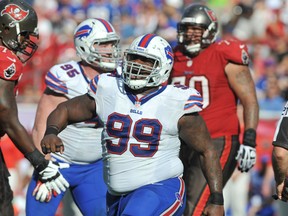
140 137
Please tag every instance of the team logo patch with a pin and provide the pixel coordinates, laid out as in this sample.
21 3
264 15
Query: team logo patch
245 57
15 12
10 71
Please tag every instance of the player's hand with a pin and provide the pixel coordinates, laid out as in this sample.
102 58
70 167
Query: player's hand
42 192
52 143
246 158
282 191
52 175
213 210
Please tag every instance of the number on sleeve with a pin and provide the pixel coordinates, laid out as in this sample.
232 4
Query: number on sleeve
70 71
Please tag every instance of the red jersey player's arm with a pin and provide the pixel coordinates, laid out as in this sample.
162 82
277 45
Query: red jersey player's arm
9 121
241 82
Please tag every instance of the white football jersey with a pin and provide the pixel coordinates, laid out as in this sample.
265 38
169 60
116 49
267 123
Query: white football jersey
82 141
140 136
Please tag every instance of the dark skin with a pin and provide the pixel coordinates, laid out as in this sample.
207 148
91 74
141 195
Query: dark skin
192 129
9 122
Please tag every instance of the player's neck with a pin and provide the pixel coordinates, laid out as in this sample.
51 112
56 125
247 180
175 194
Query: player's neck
144 91
90 71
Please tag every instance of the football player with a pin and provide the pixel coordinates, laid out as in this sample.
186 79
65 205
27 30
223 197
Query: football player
97 44
143 119
280 157
219 71
18 34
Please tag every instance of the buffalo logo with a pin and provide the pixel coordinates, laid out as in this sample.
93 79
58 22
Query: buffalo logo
179 198
169 54
10 71
84 31
15 12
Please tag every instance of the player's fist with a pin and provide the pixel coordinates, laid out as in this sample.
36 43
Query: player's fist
52 143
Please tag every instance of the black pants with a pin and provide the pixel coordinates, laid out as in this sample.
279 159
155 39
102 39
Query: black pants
6 194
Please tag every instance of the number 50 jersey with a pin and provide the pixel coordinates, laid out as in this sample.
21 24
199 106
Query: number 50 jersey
140 136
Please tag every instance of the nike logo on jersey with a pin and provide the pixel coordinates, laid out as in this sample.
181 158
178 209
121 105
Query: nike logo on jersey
188 72
241 46
12 59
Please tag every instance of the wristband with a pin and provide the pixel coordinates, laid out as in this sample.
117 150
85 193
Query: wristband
216 198
37 160
249 137
52 129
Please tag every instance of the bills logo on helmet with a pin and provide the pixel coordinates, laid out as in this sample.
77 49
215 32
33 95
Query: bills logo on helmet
10 71
15 12
84 31
169 54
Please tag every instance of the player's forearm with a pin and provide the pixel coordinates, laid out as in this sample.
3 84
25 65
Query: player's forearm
251 115
212 171
280 163
21 139
58 118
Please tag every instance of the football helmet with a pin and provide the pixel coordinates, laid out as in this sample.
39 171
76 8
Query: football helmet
88 35
151 48
197 15
18 28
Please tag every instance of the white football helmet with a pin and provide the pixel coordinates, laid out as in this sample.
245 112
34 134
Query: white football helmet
87 37
156 50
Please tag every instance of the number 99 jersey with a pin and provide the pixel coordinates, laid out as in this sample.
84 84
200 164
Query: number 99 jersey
140 137
206 73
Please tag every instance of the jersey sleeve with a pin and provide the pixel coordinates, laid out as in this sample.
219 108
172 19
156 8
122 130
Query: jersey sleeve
10 67
55 81
281 133
187 100
194 102
234 51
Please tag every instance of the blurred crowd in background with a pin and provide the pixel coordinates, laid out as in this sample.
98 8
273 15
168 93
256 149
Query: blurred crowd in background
261 24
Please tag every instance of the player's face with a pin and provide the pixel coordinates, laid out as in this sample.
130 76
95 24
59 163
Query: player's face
106 49
26 45
193 35
141 66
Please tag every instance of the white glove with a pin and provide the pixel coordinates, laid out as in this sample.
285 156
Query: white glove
42 192
52 175
246 158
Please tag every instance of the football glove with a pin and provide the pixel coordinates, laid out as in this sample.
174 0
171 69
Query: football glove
246 155
52 175
42 192
246 158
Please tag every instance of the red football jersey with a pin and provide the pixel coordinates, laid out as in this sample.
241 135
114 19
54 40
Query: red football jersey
206 73
11 66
